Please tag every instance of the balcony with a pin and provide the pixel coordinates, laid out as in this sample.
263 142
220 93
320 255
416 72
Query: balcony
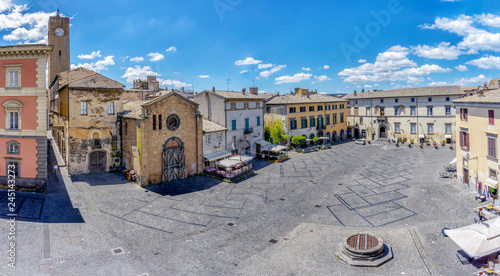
320 127
248 130
381 119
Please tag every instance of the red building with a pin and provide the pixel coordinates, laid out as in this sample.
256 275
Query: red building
23 115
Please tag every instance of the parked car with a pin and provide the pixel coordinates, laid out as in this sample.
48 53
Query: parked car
361 141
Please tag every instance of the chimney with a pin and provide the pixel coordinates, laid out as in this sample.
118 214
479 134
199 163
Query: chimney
243 90
480 92
213 89
355 93
254 90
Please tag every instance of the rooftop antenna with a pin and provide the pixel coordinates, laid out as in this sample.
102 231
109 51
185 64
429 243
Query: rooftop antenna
228 80
253 82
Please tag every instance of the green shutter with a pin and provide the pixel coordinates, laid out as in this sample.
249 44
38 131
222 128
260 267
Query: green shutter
234 124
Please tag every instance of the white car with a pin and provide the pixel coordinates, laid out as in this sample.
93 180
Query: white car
361 141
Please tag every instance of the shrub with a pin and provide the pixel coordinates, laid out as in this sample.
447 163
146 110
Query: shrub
299 141
315 139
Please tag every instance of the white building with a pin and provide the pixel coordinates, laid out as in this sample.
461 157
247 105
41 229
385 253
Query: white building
419 114
241 113
214 142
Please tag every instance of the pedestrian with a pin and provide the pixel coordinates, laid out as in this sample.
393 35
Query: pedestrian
480 214
55 168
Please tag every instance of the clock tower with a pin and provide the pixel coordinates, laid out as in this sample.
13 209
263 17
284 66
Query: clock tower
59 60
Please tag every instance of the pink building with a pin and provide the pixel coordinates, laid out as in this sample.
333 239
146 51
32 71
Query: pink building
23 115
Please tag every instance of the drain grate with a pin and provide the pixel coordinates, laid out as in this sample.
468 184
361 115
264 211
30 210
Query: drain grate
318 206
273 241
117 251
282 199
230 224
362 242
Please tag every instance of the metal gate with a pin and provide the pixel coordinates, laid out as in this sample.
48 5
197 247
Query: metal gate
97 162
174 167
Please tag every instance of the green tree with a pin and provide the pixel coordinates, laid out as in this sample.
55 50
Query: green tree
267 134
276 129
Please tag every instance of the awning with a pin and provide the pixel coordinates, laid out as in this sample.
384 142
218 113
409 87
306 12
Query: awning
217 155
454 161
263 143
491 182
421 136
228 163
241 158
277 148
323 138
448 136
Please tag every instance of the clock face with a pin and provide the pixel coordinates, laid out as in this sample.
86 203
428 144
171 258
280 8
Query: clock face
59 32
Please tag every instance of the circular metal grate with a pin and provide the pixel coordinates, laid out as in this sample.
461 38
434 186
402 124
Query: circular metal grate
362 242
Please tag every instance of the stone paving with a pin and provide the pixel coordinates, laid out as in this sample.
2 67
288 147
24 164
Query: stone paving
287 219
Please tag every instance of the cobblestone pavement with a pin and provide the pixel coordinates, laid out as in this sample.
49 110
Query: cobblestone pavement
287 219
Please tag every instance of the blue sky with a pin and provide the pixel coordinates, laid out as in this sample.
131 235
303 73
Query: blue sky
332 46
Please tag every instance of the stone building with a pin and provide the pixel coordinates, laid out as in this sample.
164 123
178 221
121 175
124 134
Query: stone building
214 142
142 89
84 106
241 113
419 114
478 139
309 114
58 37
23 117
162 138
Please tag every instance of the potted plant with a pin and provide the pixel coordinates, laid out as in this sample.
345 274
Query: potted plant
451 146
409 145
397 144
421 146
435 146
369 142
443 143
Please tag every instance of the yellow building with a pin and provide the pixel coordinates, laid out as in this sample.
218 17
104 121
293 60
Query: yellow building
309 114
477 139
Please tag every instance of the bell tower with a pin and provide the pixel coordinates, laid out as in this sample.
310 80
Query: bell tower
59 60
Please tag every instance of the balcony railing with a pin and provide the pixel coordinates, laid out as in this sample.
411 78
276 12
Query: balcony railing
381 119
320 127
248 130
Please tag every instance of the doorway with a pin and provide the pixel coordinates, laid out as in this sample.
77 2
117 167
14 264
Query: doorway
466 176
382 132
97 162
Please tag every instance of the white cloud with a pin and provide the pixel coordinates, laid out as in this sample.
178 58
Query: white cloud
171 49
475 80
247 61
306 69
368 86
175 83
263 66
267 73
156 56
90 56
137 59
322 78
489 20
244 71
137 72
293 79
326 67
442 51
438 83
461 68
362 60
203 76
491 62
97 66
23 26
391 65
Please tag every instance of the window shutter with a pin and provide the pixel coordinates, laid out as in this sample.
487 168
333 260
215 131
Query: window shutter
467 142
491 117
461 135
461 114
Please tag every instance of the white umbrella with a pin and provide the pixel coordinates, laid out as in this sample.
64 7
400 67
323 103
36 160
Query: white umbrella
453 161
477 240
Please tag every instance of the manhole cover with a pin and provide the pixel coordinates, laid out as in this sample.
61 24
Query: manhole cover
363 249
230 224
273 241
363 242
117 251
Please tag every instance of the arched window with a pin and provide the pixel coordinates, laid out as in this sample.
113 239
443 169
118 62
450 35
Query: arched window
160 122
96 137
13 114
13 147
154 122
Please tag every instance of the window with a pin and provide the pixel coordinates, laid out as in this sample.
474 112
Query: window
397 127
447 128
245 105
13 79
368 111
208 138
429 99
111 108
312 121
83 108
268 109
320 108
311 108
463 114
447 110
219 135
429 111
447 99
258 120
381 100
493 174
464 139
303 122
341 117
233 106
97 143
320 121
247 124
13 120
258 105
334 106
360 120
491 117
356 102
341 106
492 148
292 109
396 111
413 111
396 100
413 128
430 128
327 107
154 122
334 118
412 100
13 167
13 147
293 123
173 122
160 122
328 119
302 109
233 124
